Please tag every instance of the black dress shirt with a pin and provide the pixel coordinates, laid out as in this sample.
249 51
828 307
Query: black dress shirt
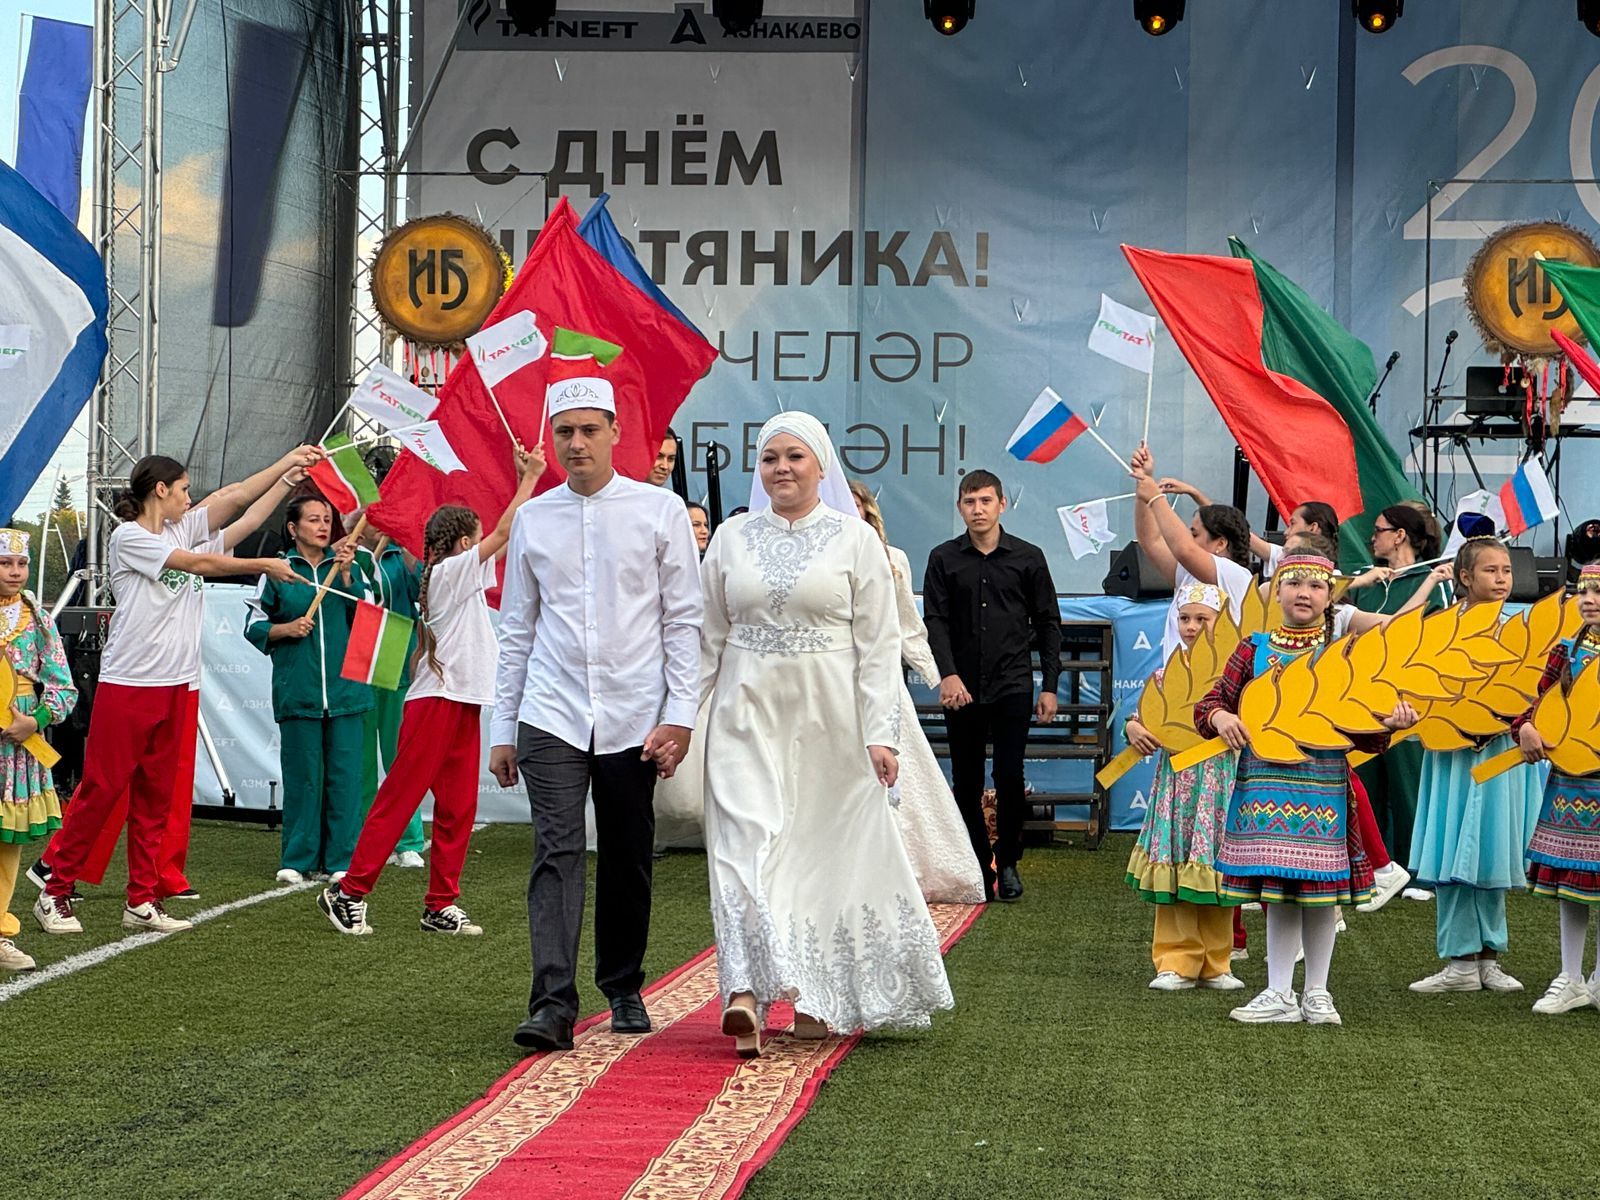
985 612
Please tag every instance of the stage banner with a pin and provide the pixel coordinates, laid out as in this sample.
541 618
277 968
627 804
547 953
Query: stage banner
909 235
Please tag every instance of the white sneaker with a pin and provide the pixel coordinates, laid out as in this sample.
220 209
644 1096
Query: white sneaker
1562 996
409 859
1594 988
1340 927
289 875
1222 983
12 959
1451 980
1171 981
451 919
1386 885
393 860
152 918
1242 954
1270 1008
336 876
54 914
1495 978
1316 1006
1412 893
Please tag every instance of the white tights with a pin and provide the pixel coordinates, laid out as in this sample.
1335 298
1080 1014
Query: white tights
1574 932
1288 927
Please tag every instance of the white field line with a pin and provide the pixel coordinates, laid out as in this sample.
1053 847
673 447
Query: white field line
71 965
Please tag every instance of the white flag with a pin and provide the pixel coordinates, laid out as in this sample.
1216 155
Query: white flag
507 346
427 442
1087 527
1124 334
391 401
14 342
1480 502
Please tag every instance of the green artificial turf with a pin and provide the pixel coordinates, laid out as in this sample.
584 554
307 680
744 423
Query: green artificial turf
264 1056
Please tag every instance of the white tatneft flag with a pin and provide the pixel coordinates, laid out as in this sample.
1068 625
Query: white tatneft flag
507 346
1125 335
390 400
1087 526
427 442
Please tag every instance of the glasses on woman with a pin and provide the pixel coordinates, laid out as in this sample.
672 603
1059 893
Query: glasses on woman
1377 529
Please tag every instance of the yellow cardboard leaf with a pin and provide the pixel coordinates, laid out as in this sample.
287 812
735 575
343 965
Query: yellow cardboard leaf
1441 735
1258 702
1470 717
1479 619
1276 747
1438 631
1544 627
1551 716
1367 655
1503 699
1574 758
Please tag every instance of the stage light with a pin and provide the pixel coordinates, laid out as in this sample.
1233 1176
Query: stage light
1589 14
530 16
949 17
1157 17
738 16
1377 15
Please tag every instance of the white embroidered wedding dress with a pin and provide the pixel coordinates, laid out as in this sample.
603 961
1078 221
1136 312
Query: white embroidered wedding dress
931 827
812 895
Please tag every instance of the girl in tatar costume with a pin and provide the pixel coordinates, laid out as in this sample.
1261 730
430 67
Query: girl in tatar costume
151 663
29 808
1470 840
1564 856
1286 841
1173 864
321 715
452 679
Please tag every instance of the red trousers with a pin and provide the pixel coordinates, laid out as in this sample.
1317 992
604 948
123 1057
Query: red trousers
438 753
174 851
138 738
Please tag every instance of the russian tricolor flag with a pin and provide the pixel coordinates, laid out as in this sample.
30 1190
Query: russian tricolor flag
1049 427
1527 498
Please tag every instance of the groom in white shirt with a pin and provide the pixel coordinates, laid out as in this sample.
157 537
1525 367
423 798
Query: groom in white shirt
596 690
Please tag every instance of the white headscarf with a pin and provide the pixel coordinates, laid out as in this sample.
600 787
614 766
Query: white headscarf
834 490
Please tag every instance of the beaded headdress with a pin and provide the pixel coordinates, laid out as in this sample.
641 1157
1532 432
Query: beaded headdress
1589 578
13 544
1297 567
1208 594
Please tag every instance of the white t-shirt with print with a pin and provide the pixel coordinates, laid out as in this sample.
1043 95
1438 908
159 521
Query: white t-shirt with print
464 641
1233 579
156 625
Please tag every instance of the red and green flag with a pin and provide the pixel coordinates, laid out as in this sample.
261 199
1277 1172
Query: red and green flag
343 478
1580 288
1299 339
379 643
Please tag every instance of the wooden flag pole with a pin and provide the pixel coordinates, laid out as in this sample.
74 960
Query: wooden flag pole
494 400
322 588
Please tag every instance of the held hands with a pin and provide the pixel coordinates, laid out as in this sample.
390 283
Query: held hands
301 458
1403 717
1535 748
503 765
1045 710
885 765
19 731
666 747
953 693
1231 730
1139 738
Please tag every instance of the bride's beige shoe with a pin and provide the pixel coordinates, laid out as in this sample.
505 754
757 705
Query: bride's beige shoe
739 1022
808 1028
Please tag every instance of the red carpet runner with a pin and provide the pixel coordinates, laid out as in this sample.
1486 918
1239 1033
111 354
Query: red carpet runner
674 1115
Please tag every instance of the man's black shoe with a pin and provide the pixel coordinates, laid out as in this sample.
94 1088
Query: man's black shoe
544 1030
1010 884
628 1015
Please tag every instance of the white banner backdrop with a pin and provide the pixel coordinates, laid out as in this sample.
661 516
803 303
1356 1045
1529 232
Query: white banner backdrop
236 702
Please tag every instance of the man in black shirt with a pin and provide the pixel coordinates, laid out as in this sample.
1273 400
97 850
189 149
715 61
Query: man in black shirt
988 601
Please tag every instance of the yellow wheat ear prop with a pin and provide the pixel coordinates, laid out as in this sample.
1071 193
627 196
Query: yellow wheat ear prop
1570 725
43 751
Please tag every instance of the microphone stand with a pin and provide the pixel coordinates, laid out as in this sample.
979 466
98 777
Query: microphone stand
1372 400
1433 418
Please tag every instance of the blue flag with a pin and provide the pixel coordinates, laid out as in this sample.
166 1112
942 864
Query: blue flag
52 331
52 104
600 231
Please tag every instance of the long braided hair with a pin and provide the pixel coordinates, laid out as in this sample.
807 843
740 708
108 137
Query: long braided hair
448 525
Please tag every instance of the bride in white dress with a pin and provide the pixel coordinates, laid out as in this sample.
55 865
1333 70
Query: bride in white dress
812 895
935 837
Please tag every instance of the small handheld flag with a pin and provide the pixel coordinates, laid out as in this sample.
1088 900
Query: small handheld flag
1087 526
506 346
1049 427
379 643
391 401
1124 335
342 477
1527 498
428 442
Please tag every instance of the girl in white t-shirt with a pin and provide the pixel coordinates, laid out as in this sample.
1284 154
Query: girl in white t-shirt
151 662
452 678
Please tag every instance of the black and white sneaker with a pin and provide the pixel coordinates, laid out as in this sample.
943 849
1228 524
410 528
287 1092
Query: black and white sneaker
449 919
39 874
348 914
188 893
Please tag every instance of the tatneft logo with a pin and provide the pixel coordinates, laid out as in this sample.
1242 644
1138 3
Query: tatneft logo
687 27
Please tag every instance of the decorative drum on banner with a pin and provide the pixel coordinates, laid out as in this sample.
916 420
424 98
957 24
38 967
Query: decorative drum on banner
436 279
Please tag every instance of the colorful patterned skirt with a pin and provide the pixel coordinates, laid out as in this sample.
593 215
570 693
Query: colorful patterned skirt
1289 838
1564 856
1175 856
29 809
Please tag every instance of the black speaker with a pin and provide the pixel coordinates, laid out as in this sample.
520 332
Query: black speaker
83 635
1552 572
1133 575
1524 575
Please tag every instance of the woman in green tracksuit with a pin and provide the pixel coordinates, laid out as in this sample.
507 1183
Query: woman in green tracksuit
397 579
321 716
